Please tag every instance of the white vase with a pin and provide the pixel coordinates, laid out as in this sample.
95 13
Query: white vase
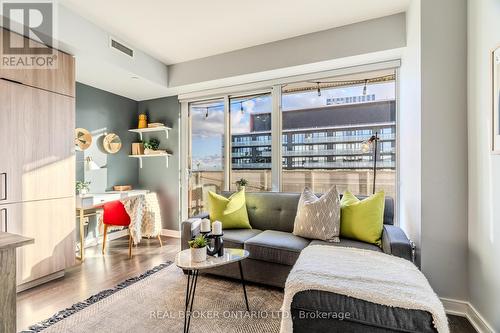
83 191
199 254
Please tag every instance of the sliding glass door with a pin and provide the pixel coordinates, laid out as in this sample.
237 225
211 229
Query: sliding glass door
206 153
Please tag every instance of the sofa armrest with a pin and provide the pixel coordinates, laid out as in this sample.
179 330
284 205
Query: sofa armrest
395 242
190 228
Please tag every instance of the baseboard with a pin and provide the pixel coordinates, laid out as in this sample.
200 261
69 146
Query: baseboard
465 309
42 280
171 233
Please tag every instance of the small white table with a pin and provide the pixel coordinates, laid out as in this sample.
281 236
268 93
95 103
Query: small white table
183 260
92 201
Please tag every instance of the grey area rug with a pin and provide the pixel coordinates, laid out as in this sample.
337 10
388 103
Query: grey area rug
154 302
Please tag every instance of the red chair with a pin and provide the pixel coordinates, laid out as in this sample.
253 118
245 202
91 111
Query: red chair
116 215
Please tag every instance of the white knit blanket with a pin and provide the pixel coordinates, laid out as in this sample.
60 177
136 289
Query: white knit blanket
363 274
145 217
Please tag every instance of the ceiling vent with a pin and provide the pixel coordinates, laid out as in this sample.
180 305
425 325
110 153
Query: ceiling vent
120 47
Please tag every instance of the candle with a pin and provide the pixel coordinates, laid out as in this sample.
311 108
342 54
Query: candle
205 225
217 228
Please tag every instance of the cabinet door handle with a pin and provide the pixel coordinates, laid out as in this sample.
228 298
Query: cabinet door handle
4 218
4 176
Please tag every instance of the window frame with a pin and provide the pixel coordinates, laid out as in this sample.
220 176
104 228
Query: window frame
274 88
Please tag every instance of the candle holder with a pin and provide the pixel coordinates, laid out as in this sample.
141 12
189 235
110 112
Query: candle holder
216 244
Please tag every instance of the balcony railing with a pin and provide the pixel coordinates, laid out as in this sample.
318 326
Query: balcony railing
251 143
314 152
331 152
242 154
346 164
319 165
323 139
345 138
251 165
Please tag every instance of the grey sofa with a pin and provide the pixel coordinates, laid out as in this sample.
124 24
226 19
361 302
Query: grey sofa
273 252
272 246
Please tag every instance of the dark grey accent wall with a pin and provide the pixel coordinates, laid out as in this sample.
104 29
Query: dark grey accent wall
154 175
102 112
99 112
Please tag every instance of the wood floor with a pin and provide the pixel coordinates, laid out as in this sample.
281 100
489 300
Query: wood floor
101 272
98 272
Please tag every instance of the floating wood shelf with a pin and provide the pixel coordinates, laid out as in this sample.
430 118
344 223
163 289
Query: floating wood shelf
151 129
140 157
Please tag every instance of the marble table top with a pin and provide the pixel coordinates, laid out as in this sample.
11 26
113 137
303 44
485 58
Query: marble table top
183 259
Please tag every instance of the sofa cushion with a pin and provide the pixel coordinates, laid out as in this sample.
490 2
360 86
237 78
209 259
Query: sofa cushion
318 218
364 316
231 212
235 238
276 246
271 210
345 242
276 211
362 220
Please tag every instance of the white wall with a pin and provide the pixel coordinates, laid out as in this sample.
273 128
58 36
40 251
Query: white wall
444 146
410 129
484 168
100 66
358 38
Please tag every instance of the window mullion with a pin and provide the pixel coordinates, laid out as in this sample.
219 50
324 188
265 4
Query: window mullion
276 160
227 144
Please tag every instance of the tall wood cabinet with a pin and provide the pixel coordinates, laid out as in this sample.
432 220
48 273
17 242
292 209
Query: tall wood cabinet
37 167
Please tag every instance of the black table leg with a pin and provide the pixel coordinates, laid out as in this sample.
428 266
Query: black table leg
243 283
190 290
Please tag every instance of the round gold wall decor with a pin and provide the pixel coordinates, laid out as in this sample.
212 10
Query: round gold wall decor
83 138
112 143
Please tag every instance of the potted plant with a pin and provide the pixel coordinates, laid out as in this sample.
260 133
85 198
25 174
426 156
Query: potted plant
240 184
82 187
151 146
198 248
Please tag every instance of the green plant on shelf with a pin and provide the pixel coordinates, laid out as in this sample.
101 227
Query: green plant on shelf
82 187
152 144
198 242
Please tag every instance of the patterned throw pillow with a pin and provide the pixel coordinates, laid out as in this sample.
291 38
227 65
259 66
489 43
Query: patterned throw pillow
318 218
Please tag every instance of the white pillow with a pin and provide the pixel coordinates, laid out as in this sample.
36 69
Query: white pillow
318 218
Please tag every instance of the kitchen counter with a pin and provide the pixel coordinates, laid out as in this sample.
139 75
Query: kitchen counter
8 241
8 245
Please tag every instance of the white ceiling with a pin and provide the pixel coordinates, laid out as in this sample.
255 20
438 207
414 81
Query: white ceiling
177 31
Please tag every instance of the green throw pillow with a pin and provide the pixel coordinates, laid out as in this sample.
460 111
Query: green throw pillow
231 212
362 220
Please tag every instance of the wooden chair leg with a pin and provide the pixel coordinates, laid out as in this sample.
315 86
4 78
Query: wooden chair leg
104 238
129 246
159 238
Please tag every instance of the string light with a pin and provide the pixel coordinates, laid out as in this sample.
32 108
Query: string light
319 89
364 88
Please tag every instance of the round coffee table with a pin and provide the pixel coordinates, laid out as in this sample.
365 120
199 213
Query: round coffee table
183 260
